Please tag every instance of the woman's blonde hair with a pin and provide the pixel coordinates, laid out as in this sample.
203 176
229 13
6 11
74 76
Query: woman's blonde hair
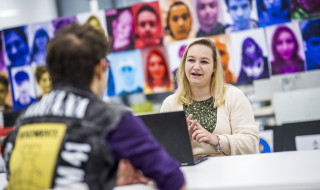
216 84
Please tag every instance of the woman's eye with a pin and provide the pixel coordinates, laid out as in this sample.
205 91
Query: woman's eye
204 62
190 60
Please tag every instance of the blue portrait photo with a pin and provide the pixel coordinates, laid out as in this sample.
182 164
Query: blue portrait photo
16 46
22 86
273 12
127 72
39 35
311 38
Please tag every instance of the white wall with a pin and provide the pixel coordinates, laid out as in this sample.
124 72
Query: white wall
21 12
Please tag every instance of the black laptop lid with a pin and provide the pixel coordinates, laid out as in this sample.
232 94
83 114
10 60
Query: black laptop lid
170 129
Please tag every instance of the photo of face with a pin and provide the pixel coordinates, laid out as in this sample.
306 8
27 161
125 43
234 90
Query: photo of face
250 55
128 74
16 46
305 9
39 34
95 19
148 28
208 13
120 28
23 87
222 43
179 21
273 12
241 14
254 64
286 47
43 81
4 92
59 23
311 37
157 74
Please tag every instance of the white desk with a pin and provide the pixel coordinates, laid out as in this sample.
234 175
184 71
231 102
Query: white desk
275 171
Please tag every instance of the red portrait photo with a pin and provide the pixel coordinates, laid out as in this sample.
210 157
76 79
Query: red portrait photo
147 24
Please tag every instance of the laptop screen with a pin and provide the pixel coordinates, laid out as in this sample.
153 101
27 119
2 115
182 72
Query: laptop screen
170 129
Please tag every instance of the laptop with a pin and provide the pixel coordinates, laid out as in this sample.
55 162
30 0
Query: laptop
170 130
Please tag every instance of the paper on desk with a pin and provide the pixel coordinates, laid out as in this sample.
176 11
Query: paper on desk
308 142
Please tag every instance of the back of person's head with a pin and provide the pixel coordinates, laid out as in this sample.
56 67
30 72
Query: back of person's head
19 31
20 77
74 52
146 8
216 83
40 71
311 29
4 81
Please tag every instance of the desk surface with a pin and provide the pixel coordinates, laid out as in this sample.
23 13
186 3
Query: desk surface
283 170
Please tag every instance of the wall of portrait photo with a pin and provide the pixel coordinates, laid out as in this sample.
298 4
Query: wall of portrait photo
286 48
250 55
255 38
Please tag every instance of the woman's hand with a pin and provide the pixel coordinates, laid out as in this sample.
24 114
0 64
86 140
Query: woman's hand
192 125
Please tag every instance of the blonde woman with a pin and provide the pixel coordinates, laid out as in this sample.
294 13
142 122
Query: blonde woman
219 116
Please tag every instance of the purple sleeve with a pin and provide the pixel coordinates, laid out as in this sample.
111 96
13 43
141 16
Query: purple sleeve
133 141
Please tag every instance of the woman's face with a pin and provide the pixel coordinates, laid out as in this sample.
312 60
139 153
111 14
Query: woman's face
199 66
156 67
285 45
207 12
180 22
250 50
45 82
41 42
